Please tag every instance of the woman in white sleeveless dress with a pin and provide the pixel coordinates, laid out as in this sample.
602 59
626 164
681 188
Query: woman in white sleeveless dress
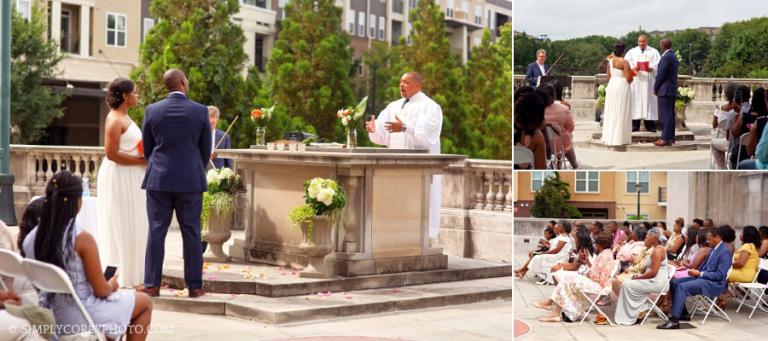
121 202
617 120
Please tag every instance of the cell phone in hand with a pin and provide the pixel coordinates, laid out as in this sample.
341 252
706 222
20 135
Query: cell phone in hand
110 272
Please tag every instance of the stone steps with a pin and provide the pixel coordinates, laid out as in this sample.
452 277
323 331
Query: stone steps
314 307
647 147
273 281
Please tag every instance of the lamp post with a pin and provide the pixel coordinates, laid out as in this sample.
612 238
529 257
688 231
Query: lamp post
638 188
690 58
7 213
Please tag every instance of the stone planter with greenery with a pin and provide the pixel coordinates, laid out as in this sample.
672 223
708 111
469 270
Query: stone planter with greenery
217 212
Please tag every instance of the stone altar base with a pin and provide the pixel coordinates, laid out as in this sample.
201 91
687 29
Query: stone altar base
278 281
642 141
276 295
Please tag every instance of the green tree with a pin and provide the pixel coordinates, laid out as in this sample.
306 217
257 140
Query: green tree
442 76
551 201
309 69
694 46
199 38
33 105
739 49
489 89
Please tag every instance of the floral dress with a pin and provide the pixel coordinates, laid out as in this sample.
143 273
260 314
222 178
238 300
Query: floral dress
569 283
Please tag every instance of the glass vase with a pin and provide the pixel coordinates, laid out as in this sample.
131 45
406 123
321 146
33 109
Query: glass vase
351 138
261 136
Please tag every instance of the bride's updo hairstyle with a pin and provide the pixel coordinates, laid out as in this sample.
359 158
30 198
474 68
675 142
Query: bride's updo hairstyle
618 49
118 88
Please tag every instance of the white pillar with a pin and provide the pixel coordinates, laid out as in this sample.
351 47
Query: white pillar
85 30
56 21
464 45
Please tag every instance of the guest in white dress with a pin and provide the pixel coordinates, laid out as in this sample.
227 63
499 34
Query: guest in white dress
541 265
121 202
59 241
720 134
617 120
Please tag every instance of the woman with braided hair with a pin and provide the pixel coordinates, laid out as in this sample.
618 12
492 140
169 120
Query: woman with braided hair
58 240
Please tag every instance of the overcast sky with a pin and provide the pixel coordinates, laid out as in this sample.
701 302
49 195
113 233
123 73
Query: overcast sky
564 19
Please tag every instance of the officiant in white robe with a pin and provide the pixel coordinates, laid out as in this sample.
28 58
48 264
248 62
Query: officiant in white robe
412 122
643 101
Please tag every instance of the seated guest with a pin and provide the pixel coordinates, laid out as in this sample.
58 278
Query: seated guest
721 135
584 248
29 220
637 261
58 240
729 236
690 246
595 229
541 264
743 123
763 253
528 121
745 260
710 280
634 291
708 224
15 327
696 257
559 93
741 98
633 247
619 236
566 298
559 117
675 242
761 153
544 245
665 234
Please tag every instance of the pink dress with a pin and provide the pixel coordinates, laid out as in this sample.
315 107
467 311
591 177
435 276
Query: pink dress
561 119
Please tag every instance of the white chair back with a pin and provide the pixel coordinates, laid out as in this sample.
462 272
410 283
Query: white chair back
10 266
523 155
50 278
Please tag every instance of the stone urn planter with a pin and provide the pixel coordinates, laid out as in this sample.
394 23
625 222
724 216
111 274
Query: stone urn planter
316 247
680 118
219 232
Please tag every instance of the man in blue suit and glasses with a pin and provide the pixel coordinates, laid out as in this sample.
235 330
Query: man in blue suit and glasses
177 146
537 68
710 280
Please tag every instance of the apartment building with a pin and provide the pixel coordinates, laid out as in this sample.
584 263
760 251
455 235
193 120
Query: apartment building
600 195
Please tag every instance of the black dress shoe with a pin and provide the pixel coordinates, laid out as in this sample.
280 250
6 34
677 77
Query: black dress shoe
685 317
669 325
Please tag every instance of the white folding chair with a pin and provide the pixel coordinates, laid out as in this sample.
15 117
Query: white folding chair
723 127
743 140
654 303
50 278
10 266
523 156
704 301
598 296
754 288
556 146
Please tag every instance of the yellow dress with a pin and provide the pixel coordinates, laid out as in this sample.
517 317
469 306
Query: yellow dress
746 273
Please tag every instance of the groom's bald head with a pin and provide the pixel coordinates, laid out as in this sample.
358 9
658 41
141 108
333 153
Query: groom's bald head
666 44
175 80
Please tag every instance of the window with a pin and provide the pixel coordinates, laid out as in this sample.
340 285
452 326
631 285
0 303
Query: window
25 8
372 24
537 179
258 52
257 3
411 3
148 24
587 182
643 178
361 24
66 31
465 7
281 10
116 29
397 6
449 8
479 15
351 21
382 28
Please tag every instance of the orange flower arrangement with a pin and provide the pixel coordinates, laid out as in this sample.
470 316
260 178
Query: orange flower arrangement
256 114
262 116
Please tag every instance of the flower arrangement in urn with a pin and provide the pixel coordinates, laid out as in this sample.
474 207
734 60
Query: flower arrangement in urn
684 96
262 116
322 197
350 118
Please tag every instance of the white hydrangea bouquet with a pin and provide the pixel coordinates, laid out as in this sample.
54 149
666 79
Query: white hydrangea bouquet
223 185
350 117
321 197
685 95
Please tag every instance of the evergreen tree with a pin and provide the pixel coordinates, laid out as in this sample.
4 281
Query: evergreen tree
442 76
551 201
199 38
309 70
489 87
33 105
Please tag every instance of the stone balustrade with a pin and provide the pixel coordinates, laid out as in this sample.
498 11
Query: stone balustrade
709 92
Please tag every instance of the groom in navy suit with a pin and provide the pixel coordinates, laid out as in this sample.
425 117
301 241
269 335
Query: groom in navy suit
710 280
177 146
665 90
537 68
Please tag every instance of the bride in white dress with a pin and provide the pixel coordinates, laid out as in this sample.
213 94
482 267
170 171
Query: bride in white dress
617 119
121 202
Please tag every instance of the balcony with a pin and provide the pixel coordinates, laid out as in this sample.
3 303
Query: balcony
459 18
